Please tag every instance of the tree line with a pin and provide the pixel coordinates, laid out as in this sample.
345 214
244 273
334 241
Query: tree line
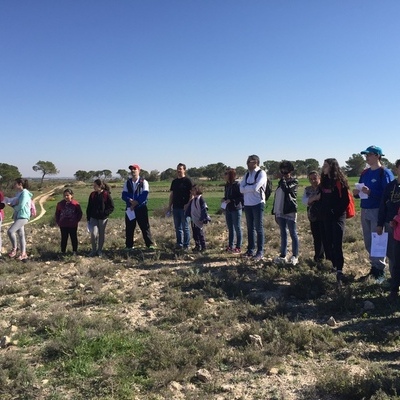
213 172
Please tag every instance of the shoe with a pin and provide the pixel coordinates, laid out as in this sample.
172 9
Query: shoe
373 273
196 249
249 254
340 277
393 296
294 260
236 250
23 257
12 253
379 277
258 257
151 247
279 260
100 254
127 249
229 249
74 253
92 254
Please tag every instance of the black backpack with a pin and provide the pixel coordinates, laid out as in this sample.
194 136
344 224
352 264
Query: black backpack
268 187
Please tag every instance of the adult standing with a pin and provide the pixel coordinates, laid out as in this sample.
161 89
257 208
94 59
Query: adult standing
233 200
309 199
22 213
285 211
179 198
388 209
334 198
374 179
253 187
99 208
135 194
2 205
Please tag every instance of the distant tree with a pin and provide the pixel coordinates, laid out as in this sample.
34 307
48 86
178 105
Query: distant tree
312 165
123 173
8 173
169 173
215 172
46 168
300 167
93 174
272 168
82 176
106 174
154 176
144 174
240 171
195 172
355 165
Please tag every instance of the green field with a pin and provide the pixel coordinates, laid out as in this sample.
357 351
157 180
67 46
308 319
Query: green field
158 198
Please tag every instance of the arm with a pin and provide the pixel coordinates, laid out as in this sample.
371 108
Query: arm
109 206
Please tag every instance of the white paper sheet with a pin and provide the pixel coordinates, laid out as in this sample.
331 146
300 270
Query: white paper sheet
379 244
223 205
359 187
131 214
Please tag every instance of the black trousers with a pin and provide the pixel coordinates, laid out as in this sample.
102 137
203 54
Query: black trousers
316 231
142 218
332 239
72 233
394 287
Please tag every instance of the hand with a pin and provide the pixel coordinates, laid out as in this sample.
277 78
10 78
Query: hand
356 192
379 230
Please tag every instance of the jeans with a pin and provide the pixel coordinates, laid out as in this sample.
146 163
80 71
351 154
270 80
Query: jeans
284 225
97 233
18 227
254 220
369 222
234 224
181 227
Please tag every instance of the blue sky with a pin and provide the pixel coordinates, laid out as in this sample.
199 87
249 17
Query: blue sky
93 85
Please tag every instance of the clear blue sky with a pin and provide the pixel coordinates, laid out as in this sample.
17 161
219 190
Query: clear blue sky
95 84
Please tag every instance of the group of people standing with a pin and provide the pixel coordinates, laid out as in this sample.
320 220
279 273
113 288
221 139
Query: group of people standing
327 200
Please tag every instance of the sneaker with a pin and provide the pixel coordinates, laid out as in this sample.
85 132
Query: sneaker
258 257
92 254
379 277
100 254
373 273
12 253
236 250
22 257
249 254
294 260
279 260
340 277
196 249
151 247
74 253
229 249
127 249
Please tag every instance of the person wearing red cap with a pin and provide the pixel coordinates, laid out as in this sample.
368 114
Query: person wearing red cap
135 194
374 180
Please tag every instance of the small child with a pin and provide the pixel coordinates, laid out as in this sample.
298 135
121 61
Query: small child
68 214
197 211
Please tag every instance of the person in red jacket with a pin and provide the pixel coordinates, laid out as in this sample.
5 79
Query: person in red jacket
68 215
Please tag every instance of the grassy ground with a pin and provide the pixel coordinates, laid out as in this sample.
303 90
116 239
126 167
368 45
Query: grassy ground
160 325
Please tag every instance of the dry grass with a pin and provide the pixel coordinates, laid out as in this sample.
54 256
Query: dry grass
140 325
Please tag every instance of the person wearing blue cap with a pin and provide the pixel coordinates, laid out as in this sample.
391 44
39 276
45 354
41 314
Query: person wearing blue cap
374 179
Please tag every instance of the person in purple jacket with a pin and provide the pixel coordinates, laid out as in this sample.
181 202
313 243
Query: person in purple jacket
68 214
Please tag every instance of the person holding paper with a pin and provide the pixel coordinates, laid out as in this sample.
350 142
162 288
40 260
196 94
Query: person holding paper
135 194
233 205
388 209
369 189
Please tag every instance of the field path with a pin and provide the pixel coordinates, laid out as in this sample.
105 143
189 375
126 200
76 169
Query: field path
39 203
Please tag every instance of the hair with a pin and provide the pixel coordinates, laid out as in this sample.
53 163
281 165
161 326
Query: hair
181 165
397 163
335 173
23 182
198 189
102 185
231 174
255 158
69 191
313 172
286 165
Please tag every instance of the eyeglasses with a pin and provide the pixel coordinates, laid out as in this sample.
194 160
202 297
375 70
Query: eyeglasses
370 154
285 172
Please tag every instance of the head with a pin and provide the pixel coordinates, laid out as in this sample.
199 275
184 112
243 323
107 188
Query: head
21 184
253 161
286 168
68 194
230 175
332 170
314 178
373 154
98 185
135 170
181 170
196 190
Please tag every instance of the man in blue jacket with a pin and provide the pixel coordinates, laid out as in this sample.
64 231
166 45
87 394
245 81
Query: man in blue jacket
135 194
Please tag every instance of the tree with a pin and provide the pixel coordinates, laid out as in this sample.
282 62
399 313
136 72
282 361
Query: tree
106 174
154 176
8 174
240 171
312 165
46 168
355 165
272 168
169 173
215 172
195 172
82 175
123 173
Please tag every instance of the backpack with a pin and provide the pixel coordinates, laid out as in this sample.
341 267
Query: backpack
105 195
351 207
32 209
268 187
139 187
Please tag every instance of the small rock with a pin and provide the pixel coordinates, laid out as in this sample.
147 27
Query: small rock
368 305
175 386
5 341
203 375
273 371
331 321
14 328
256 340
